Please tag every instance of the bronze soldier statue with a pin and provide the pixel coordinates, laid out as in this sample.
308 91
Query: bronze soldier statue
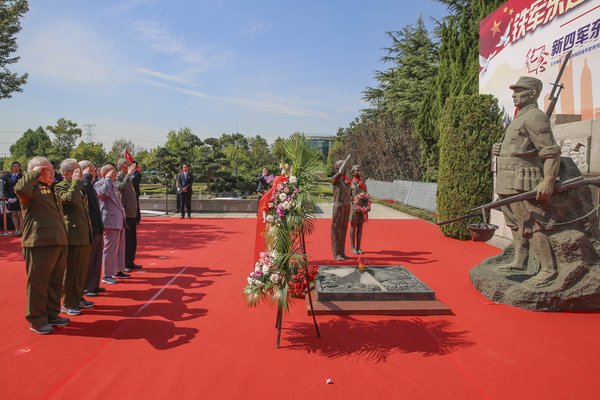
529 159
341 209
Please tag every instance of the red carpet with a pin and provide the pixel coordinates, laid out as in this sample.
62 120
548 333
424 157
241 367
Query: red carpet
180 329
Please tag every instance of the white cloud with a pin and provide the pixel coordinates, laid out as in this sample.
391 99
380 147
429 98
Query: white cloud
160 75
260 105
165 42
67 51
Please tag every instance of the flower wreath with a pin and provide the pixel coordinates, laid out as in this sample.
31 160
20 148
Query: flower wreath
362 202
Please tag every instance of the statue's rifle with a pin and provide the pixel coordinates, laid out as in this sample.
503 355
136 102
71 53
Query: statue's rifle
567 185
557 87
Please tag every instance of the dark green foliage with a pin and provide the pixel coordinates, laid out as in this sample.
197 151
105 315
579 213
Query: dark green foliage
31 144
469 126
66 134
11 13
413 56
458 73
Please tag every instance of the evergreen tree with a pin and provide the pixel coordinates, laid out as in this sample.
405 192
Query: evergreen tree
401 87
32 143
458 72
10 14
469 126
93 152
66 134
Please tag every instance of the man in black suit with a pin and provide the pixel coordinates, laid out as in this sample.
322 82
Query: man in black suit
92 285
136 180
185 179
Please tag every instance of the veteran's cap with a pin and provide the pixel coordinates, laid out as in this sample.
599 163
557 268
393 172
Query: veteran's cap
528 82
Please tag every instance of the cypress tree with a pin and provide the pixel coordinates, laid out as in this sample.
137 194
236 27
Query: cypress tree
469 126
458 72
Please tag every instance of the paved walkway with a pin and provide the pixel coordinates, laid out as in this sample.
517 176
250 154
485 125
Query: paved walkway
378 211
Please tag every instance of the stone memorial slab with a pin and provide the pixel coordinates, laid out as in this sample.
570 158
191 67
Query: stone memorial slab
380 283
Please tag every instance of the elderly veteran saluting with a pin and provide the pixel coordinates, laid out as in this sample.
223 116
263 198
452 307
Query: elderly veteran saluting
77 219
44 244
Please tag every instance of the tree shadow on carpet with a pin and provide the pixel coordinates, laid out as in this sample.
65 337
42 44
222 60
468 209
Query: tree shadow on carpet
375 340
162 335
155 235
170 311
187 279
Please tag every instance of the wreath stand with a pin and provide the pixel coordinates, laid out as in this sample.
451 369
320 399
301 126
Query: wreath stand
279 319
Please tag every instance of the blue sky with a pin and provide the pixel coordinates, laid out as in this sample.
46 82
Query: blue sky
138 68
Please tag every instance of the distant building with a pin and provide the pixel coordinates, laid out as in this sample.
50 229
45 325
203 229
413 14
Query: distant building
322 143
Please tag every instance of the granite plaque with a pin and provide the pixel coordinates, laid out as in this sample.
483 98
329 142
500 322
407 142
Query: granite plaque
339 283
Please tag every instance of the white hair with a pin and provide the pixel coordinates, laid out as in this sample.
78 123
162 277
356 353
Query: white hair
37 161
68 165
83 164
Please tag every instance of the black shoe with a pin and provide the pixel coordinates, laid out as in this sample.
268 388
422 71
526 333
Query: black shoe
100 290
182 217
90 294
42 330
135 266
189 216
59 321
109 280
121 275
83 303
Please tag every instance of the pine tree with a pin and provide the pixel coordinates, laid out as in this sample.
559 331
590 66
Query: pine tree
10 14
457 75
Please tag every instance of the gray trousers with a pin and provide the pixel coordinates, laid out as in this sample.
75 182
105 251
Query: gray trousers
113 255
95 263
45 272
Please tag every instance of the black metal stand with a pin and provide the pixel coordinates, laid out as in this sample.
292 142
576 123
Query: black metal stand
166 194
279 318
312 310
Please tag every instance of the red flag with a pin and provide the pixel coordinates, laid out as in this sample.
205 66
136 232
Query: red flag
130 159
128 156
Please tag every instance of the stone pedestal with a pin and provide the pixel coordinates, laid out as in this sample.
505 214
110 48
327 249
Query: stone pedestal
384 290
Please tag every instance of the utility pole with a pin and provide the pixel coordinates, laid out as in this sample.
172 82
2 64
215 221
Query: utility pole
89 132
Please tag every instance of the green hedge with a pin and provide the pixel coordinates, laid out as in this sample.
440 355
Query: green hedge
469 126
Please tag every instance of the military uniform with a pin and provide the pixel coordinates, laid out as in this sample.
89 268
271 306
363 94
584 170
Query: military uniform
44 244
527 143
79 229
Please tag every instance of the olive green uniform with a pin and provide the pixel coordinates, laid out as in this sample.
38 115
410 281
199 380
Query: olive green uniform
77 220
44 244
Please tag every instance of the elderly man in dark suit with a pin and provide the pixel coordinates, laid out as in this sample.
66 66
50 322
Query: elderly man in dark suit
185 180
70 191
44 244
92 286
113 218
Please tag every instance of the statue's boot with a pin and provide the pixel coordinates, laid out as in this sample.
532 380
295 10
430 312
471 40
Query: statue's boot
548 268
521 255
